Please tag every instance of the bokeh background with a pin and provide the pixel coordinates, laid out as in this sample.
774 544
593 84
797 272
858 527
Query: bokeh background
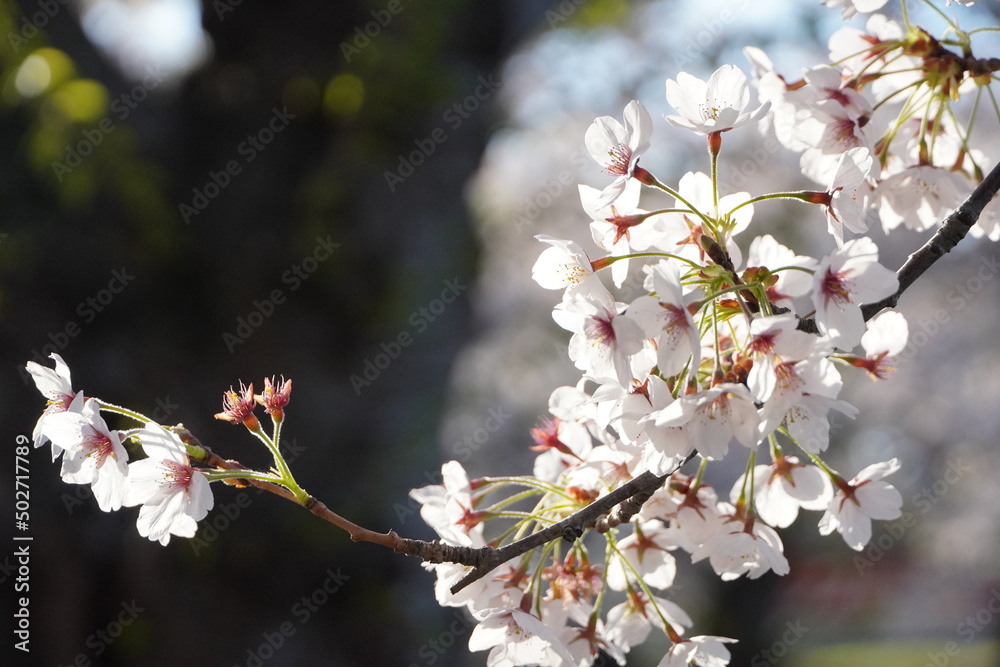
346 194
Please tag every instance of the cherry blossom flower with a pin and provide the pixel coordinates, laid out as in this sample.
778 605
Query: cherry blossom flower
647 552
714 416
875 52
850 8
788 364
765 251
515 637
695 516
629 623
575 582
846 206
174 495
843 281
807 420
919 197
783 487
563 444
857 502
448 507
785 99
718 105
737 549
778 347
696 188
603 337
702 650
617 148
94 454
667 318
563 265
621 227
885 339
585 640
54 385
836 120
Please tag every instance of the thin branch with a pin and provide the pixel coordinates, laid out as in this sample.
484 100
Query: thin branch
484 560
569 528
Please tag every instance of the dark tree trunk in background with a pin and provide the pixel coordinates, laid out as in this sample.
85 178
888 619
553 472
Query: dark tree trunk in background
307 250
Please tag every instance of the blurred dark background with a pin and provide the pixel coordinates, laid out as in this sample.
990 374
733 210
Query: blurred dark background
312 111
312 194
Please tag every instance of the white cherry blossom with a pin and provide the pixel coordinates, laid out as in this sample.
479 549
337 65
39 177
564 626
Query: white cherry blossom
515 637
860 500
844 280
617 147
93 455
701 650
562 265
718 105
174 495
56 386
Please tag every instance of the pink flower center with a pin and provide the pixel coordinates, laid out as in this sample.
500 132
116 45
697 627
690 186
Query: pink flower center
835 288
600 330
676 318
177 475
99 446
619 158
843 134
762 344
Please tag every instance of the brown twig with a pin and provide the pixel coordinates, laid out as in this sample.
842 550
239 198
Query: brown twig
630 497
569 528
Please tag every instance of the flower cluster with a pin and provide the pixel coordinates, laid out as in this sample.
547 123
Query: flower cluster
172 493
696 340
731 339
